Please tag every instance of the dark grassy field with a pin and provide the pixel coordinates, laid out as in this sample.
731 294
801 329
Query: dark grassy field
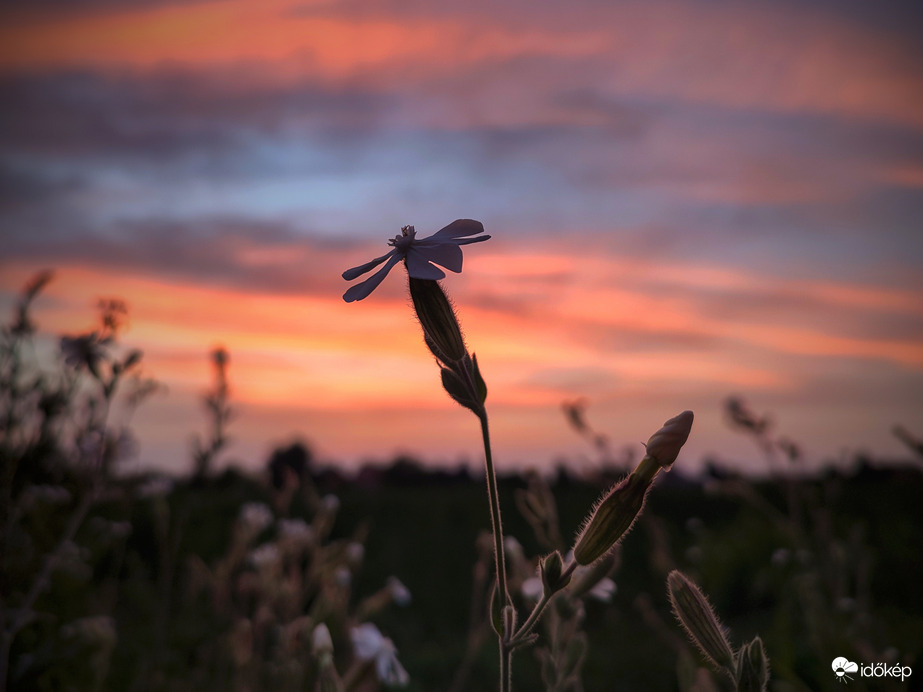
838 574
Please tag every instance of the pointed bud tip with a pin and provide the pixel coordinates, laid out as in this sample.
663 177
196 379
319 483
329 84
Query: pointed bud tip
551 568
752 667
665 444
323 643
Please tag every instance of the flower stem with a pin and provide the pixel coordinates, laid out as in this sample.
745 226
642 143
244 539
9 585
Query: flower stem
493 500
523 632
495 522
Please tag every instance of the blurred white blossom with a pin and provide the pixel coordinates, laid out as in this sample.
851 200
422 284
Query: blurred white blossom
342 576
296 532
371 645
603 590
354 553
532 588
400 594
266 555
321 641
255 516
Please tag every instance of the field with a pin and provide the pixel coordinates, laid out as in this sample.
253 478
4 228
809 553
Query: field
846 586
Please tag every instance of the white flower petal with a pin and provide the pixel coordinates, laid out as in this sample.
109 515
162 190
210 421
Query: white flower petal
418 266
604 590
459 229
390 671
532 588
356 272
363 289
367 641
447 255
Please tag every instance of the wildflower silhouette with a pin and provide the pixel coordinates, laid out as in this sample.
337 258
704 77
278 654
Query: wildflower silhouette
420 256
461 378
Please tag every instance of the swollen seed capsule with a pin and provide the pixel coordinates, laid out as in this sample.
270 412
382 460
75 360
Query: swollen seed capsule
614 515
437 317
698 618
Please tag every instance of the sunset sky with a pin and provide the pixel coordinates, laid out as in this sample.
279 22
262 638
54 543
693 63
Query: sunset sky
687 200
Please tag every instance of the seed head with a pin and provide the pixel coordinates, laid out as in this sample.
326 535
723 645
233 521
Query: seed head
698 618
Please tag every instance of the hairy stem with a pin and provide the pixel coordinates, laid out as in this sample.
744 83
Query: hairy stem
493 500
536 614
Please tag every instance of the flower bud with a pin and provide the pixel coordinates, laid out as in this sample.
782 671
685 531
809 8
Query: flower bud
551 568
322 642
665 444
458 389
479 383
496 612
752 667
437 317
614 515
698 618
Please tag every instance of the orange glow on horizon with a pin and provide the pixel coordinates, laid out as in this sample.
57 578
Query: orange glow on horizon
313 351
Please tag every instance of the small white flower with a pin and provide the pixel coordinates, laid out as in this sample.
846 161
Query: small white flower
342 576
604 590
296 532
400 594
420 256
330 503
355 552
321 640
264 556
532 588
513 549
255 516
369 644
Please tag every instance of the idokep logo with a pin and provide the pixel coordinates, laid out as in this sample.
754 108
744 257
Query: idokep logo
845 670
842 668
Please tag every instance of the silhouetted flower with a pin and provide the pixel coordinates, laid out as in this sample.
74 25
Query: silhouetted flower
420 256
83 351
